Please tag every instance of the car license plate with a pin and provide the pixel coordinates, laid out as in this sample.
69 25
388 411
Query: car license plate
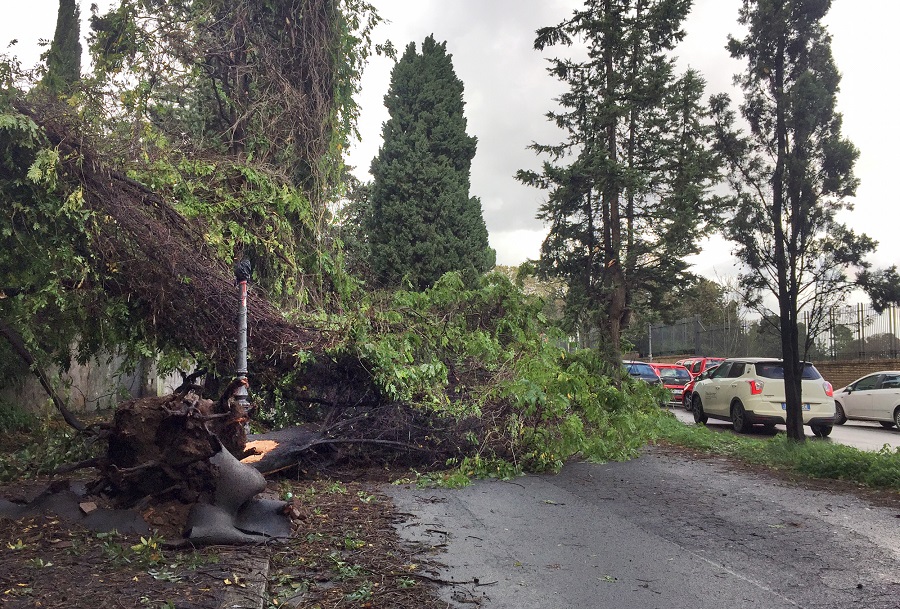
784 406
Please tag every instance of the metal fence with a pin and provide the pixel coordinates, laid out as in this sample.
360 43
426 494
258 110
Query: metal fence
861 333
846 333
692 336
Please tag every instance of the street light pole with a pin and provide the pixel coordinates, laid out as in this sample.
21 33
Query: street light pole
242 272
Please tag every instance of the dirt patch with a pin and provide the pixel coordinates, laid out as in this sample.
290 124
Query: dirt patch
344 552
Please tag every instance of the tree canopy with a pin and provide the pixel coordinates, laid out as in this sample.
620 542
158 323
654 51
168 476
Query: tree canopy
791 174
627 188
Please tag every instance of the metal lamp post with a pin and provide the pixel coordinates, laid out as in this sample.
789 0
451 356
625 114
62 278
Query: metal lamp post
242 272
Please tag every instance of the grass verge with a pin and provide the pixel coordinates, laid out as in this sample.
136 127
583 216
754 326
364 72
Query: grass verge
815 459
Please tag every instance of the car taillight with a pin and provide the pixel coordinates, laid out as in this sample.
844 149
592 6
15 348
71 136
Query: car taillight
756 387
829 390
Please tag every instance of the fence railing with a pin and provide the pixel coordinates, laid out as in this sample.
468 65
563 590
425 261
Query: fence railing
846 333
861 333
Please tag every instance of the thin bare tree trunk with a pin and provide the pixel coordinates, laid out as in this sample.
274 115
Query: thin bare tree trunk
18 345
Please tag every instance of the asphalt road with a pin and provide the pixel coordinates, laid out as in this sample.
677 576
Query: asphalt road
864 435
661 531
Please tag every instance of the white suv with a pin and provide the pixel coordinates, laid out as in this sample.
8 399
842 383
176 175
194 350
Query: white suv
750 390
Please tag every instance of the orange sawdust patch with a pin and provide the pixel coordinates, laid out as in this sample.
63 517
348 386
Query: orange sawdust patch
259 448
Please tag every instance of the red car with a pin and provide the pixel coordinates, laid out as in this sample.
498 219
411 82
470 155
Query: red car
696 365
674 378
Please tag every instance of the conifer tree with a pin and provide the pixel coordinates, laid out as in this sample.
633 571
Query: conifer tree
791 174
64 57
422 222
627 187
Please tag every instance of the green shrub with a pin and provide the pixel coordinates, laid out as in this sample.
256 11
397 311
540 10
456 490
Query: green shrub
15 419
42 451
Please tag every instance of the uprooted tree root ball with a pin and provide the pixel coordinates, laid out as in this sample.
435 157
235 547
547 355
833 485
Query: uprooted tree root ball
185 463
162 446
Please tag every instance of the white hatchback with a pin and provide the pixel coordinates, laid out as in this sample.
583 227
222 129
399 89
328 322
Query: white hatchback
750 390
875 397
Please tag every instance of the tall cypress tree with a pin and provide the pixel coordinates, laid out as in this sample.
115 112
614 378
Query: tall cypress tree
627 187
791 174
64 57
422 222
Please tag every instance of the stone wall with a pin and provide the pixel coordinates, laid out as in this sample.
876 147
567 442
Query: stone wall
99 385
842 373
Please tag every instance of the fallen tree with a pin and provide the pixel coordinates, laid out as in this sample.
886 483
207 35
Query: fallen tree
463 373
115 232
157 262
164 269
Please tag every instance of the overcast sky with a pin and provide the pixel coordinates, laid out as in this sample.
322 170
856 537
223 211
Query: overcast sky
507 93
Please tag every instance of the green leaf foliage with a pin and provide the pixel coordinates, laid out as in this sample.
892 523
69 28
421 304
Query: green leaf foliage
485 353
627 187
422 222
245 209
48 271
41 448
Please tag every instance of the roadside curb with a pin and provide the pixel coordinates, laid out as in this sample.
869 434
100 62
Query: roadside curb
247 588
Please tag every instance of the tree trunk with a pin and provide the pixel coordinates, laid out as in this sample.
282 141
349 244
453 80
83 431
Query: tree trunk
787 297
613 279
18 345
615 314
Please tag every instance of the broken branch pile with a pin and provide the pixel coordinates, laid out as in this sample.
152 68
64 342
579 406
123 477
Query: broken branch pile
159 264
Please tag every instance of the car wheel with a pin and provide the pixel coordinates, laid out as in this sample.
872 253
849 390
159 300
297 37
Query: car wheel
897 417
839 416
686 402
739 418
821 431
697 407
887 424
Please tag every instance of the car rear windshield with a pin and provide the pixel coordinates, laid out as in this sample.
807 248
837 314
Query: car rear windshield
775 370
640 370
674 374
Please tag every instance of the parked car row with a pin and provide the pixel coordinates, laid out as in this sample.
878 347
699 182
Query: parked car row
750 391
673 376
